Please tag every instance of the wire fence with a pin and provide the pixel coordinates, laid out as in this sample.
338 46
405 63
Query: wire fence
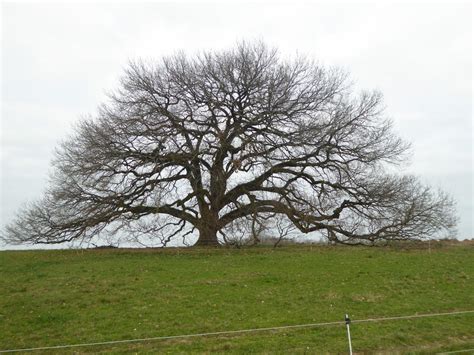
243 331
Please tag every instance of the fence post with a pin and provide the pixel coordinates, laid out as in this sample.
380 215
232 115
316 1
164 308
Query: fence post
348 322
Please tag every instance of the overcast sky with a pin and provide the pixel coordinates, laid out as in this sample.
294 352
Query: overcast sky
58 61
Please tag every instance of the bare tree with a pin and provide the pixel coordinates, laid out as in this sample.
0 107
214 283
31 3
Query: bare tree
200 143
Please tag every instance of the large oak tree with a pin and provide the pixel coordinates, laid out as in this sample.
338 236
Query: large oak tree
197 145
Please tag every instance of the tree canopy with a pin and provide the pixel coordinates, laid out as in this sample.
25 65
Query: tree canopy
196 146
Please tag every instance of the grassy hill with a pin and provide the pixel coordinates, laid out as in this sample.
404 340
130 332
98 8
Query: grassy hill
50 298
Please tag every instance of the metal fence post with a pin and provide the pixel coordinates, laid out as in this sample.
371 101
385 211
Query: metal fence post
348 322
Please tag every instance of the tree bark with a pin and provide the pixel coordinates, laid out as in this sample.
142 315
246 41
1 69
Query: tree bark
207 237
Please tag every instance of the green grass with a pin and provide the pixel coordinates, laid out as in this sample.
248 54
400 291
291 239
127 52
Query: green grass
50 298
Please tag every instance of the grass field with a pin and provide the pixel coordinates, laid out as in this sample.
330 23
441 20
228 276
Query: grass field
50 298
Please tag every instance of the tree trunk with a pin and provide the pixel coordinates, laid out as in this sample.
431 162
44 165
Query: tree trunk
207 237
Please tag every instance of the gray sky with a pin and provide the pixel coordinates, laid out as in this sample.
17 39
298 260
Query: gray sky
59 60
